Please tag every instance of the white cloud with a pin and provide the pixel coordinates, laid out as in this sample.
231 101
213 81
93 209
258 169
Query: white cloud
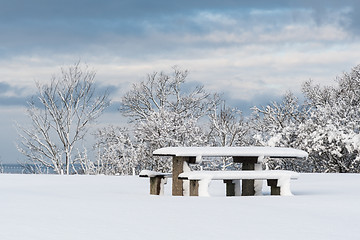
244 71
248 52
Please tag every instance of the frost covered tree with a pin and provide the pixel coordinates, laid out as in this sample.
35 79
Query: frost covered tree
274 122
332 133
117 154
162 91
227 127
278 125
1 166
326 126
332 145
167 129
166 112
60 118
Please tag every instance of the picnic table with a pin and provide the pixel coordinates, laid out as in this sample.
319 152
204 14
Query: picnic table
250 157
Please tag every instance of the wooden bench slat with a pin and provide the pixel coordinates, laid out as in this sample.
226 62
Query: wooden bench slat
157 181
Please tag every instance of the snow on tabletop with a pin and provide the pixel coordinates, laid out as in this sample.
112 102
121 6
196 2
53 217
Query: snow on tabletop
199 152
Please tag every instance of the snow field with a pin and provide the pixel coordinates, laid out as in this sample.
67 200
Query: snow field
325 206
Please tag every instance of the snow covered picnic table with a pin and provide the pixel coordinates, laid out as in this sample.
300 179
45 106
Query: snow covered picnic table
199 152
250 157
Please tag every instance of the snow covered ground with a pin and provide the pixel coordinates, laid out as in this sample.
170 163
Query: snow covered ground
325 206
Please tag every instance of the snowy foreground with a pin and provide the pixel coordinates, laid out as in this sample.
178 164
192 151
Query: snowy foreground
325 206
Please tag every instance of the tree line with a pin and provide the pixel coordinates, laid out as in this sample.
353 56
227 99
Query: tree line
164 111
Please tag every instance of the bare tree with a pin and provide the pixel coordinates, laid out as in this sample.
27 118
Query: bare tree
60 117
227 128
163 91
166 112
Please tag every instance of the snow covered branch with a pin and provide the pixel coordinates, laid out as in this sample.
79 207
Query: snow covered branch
60 118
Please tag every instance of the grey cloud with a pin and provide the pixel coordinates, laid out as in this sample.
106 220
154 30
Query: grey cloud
258 101
134 9
133 28
4 87
12 101
126 9
22 100
15 98
110 89
114 107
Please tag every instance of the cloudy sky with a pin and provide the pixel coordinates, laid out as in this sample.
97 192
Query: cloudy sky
252 51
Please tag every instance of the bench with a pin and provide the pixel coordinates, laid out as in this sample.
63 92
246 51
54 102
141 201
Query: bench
157 181
278 180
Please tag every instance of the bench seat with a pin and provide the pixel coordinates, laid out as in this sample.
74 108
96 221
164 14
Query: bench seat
278 180
157 181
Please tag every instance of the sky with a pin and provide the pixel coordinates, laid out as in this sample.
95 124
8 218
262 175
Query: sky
251 51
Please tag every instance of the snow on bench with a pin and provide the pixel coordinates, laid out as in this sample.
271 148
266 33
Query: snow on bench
278 180
157 181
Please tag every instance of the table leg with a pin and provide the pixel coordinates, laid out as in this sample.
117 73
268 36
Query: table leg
157 185
248 163
275 190
248 186
178 168
230 188
177 184
194 188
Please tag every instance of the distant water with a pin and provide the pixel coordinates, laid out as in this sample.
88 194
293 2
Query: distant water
19 169
12 168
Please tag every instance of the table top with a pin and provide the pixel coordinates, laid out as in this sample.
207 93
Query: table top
199 152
